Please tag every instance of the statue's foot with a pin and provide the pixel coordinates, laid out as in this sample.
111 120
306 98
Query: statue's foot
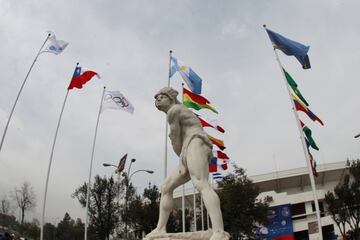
155 232
220 235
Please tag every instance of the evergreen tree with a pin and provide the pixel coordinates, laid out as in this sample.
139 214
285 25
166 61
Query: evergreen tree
344 203
103 205
239 205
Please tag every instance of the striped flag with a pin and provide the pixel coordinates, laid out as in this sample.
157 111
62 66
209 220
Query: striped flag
195 101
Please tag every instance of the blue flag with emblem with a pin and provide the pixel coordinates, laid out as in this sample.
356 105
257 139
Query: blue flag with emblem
290 48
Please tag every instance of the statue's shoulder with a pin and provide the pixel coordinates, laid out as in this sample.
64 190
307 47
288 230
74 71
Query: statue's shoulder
176 108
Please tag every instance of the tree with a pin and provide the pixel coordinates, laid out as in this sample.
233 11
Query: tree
239 204
49 231
151 201
175 220
64 228
143 211
30 229
5 205
25 198
103 205
344 203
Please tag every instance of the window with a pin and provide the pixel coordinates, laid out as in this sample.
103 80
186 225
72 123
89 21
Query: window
321 207
298 211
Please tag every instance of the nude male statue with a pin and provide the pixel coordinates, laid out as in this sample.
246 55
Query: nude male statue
194 148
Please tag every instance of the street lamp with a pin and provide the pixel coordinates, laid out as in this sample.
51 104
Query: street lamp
128 177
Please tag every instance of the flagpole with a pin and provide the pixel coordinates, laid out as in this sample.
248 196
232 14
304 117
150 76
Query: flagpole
183 207
183 186
91 163
166 124
194 199
49 166
307 157
202 213
21 88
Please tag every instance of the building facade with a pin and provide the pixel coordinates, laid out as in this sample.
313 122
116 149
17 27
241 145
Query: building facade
293 187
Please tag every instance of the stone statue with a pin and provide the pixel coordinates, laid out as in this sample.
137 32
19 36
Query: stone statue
194 148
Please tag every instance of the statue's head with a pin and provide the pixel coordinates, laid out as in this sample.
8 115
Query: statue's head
165 98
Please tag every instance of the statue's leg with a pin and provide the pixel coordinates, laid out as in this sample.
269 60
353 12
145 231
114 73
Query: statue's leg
177 177
198 155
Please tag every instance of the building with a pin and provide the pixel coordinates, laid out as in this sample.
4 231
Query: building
293 187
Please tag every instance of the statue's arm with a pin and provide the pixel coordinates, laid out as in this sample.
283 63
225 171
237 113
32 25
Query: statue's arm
175 131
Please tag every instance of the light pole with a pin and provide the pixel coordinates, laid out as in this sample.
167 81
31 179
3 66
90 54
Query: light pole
128 178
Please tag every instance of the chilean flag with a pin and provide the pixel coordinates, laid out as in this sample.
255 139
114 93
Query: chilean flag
220 155
205 122
81 76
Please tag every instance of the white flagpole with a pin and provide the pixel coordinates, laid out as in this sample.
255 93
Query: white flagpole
91 163
307 157
166 124
183 207
21 88
202 213
49 166
183 186
194 200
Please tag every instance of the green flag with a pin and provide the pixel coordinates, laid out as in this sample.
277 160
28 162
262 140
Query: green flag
293 85
309 140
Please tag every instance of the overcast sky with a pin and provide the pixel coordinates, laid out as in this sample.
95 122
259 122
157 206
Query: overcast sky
128 43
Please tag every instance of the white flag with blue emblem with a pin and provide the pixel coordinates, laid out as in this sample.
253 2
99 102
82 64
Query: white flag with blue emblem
192 80
55 46
116 100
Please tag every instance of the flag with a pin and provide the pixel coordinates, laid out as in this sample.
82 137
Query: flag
213 165
121 165
313 165
116 100
309 140
300 106
293 85
81 76
290 48
219 143
192 80
217 176
206 122
55 46
220 155
195 101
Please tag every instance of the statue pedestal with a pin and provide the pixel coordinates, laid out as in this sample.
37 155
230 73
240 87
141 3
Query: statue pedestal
200 235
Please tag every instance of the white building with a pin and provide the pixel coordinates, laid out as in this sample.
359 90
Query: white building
293 187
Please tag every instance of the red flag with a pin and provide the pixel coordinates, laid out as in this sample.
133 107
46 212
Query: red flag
220 155
210 123
81 76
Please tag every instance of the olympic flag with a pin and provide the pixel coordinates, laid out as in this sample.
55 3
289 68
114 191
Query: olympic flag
116 100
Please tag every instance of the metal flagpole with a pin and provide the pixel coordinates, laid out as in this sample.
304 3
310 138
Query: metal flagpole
202 213
183 186
49 166
194 199
166 124
307 158
21 88
183 207
91 163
